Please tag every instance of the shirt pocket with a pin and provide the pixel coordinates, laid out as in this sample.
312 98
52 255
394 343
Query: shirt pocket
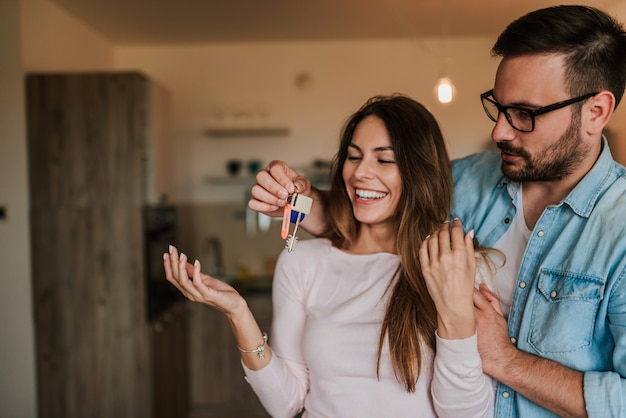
564 311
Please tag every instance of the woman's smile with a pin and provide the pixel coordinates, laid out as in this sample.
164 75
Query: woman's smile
369 195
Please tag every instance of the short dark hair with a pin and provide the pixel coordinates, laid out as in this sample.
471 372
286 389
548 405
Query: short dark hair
593 43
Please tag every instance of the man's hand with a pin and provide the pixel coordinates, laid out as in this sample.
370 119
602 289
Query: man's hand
545 382
493 334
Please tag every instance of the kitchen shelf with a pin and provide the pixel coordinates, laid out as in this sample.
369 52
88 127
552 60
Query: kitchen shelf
251 132
318 178
231 181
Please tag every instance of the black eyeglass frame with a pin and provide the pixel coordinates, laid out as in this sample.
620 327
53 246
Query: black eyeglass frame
531 112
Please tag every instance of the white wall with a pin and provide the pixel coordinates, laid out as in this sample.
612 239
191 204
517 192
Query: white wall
17 379
35 35
204 80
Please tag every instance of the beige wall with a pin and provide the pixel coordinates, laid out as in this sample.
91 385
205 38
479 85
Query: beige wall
53 40
618 122
211 84
205 80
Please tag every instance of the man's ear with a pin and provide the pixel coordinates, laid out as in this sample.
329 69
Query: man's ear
599 111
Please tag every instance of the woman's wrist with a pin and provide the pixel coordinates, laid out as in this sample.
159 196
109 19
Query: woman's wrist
456 329
238 310
259 350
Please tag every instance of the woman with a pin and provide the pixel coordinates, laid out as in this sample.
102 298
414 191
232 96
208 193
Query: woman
354 324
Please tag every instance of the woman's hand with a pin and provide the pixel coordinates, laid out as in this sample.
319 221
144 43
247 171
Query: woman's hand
205 289
449 268
199 287
273 185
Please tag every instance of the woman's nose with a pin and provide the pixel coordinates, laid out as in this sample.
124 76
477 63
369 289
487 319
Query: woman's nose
363 170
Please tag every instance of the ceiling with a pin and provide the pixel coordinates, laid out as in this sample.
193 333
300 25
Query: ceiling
125 22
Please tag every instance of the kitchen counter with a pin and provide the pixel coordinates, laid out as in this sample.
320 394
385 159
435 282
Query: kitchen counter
253 285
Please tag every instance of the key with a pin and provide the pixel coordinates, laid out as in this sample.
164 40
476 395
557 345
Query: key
298 205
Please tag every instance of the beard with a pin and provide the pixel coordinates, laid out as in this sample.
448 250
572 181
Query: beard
554 162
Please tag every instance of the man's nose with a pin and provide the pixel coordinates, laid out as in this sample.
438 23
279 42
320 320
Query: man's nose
502 130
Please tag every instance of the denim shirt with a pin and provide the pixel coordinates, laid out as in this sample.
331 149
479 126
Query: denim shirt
569 303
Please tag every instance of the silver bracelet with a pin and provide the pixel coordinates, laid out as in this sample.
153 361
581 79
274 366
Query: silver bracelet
260 350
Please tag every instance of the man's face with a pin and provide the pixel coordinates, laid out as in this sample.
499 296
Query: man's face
555 148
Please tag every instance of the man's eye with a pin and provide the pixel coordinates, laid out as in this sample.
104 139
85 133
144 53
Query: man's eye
520 114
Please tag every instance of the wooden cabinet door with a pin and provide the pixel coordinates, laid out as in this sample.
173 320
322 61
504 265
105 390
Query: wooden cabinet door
86 134
169 363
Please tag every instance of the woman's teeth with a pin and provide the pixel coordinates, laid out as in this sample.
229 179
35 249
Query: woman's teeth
369 194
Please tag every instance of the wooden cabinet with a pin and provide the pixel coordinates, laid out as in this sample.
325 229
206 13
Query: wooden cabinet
89 139
169 363
217 386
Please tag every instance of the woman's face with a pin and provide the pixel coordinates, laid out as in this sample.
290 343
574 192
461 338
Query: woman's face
370 173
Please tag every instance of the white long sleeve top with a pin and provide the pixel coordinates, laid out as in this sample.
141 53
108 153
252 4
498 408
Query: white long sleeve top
328 309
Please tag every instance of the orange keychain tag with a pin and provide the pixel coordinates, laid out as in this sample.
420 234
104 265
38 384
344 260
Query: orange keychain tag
284 231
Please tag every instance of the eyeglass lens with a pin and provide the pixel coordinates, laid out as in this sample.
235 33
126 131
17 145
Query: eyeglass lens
519 119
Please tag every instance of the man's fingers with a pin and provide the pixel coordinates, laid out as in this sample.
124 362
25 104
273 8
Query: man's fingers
484 298
486 292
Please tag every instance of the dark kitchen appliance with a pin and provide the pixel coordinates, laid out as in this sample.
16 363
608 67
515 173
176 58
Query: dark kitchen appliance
159 232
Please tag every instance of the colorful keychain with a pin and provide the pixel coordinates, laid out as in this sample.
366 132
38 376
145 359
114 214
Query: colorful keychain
297 206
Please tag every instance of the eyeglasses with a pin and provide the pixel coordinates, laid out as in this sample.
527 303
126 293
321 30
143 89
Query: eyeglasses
519 118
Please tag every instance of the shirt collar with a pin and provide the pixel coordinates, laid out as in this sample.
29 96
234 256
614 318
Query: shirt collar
584 196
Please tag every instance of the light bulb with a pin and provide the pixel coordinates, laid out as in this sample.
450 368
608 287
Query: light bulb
444 90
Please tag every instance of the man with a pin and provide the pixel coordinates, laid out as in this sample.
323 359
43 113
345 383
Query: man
553 201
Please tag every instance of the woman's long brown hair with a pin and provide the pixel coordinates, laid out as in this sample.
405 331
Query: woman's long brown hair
422 159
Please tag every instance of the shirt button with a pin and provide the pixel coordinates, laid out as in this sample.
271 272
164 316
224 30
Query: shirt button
540 234
513 340
522 285
507 220
505 395
553 294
